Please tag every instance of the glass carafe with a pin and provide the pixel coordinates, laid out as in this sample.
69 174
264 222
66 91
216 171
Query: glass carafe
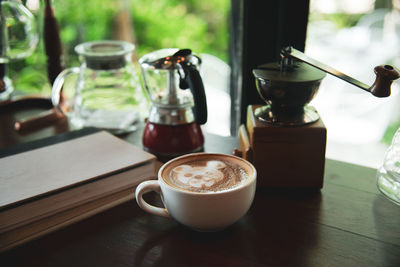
107 92
388 176
18 39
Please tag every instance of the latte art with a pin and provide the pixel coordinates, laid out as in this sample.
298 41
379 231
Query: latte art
200 176
206 176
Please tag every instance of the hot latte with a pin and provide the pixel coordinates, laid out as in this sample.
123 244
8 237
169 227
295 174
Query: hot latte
204 191
205 175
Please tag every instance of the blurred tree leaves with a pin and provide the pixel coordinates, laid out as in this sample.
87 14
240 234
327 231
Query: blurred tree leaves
199 25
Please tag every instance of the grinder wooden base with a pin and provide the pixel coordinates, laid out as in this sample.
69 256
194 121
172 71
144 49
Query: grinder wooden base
284 156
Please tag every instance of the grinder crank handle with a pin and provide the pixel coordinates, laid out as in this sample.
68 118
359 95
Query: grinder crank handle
195 83
385 74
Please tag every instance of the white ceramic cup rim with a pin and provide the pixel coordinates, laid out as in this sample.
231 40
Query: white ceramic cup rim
249 180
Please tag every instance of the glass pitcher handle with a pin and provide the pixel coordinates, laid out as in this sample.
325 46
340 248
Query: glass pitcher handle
58 85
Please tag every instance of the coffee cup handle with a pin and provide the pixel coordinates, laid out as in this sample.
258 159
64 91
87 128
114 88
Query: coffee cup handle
144 188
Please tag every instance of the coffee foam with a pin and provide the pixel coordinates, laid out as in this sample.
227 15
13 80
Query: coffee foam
207 175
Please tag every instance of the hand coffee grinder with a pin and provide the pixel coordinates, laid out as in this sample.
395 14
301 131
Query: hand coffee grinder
286 139
173 124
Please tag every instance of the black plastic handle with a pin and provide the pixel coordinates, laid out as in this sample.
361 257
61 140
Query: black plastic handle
194 82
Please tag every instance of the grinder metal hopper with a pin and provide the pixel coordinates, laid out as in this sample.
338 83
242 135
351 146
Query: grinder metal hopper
289 85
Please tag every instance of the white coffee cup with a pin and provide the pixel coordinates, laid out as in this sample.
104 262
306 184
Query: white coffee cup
203 211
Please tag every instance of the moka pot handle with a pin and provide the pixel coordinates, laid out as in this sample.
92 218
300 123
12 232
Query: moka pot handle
194 82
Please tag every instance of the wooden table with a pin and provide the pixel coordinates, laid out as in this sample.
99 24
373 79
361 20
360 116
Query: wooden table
347 223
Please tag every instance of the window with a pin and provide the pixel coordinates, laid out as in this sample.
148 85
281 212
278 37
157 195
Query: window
354 37
356 121
199 25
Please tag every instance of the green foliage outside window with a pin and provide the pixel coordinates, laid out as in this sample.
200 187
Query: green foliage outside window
199 25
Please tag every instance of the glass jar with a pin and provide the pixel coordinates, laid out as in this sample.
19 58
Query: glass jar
107 92
18 39
388 176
